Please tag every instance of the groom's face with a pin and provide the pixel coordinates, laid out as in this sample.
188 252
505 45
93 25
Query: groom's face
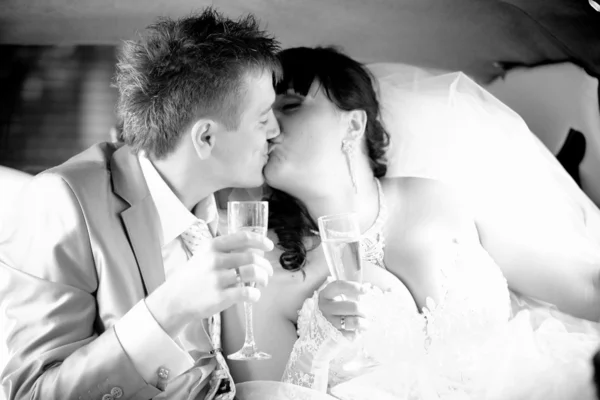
243 152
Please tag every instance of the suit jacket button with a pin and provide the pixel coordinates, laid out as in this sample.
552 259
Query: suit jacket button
116 392
107 397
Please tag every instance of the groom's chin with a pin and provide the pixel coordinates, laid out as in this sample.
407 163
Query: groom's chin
247 180
256 181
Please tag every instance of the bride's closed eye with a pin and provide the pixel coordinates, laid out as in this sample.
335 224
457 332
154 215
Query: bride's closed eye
289 102
290 106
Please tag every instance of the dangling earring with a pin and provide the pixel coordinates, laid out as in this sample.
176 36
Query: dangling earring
349 150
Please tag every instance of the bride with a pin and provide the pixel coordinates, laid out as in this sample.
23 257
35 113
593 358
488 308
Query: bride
433 319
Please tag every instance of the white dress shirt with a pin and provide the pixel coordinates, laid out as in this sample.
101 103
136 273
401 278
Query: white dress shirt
145 342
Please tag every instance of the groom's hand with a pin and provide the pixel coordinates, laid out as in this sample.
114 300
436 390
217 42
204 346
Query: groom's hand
208 283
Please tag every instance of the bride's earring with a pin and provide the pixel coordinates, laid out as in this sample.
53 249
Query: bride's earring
349 150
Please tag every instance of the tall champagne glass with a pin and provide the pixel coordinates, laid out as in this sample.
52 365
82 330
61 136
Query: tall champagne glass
340 237
250 216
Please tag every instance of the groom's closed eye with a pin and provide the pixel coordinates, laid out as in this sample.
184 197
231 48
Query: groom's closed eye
264 115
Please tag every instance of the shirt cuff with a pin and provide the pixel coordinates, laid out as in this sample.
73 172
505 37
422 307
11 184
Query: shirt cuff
149 347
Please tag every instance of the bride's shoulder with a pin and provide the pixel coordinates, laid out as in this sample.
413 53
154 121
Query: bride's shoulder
418 190
414 185
422 199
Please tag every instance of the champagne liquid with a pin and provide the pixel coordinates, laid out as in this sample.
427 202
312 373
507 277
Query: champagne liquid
344 259
254 229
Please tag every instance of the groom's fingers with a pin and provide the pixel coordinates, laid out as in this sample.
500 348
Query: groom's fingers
235 260
237 294
242 241
250 273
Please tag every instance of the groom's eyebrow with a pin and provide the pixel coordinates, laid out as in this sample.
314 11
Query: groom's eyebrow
266 111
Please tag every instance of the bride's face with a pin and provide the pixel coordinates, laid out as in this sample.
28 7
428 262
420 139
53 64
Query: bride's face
307 155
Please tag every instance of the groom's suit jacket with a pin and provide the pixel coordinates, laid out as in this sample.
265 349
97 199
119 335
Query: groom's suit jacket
85 249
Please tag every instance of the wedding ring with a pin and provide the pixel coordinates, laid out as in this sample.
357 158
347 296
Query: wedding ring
238 277
343 322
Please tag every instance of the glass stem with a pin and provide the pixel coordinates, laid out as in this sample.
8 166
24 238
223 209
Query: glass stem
249 339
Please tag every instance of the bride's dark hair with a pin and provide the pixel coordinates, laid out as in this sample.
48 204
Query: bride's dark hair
350 86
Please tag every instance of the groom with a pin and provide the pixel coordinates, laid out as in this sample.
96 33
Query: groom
111 282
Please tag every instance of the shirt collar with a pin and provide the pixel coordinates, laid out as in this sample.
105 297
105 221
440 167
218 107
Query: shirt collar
174 217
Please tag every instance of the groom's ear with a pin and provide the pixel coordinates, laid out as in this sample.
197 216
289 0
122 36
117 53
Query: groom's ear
357 123
203 137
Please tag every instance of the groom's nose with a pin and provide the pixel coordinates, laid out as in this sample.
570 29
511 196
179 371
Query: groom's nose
273 130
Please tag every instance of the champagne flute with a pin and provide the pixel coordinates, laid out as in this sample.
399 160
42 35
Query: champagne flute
249 216
340 237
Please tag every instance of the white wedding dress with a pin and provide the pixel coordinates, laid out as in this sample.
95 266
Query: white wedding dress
480 342
468 346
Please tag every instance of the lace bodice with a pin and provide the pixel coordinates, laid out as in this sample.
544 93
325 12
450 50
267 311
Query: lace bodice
475 303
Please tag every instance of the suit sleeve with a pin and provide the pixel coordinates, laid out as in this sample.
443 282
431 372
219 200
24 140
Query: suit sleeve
48 282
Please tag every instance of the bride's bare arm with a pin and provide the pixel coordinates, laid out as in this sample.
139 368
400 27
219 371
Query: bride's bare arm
561 267
546 257
550 258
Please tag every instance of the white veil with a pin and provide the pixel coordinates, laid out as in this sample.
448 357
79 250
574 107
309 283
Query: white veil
444 126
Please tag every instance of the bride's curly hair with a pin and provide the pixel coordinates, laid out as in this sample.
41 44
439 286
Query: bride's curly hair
350 86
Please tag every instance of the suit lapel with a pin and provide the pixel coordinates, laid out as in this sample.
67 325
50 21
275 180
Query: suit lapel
140 219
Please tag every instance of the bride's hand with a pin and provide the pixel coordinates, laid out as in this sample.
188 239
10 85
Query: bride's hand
340 304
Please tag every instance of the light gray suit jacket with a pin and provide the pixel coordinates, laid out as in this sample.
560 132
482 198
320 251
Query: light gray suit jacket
85 250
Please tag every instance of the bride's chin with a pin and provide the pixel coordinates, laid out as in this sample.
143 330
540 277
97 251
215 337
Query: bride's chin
278 174
269 179
275 182
270 172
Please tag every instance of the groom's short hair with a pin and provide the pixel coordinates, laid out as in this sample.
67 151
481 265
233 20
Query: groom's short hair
186 69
